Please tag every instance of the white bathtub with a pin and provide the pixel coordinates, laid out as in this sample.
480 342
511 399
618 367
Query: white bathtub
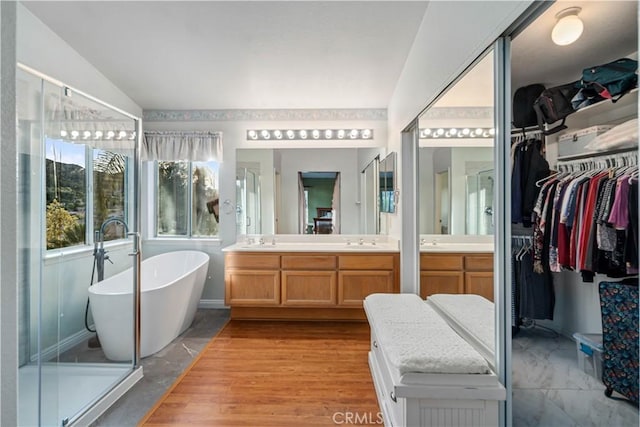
171 287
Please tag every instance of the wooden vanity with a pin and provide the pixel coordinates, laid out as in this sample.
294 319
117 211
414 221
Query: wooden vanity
307 285
456 273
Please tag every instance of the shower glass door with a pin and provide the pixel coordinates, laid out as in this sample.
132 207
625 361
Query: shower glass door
76 197
248 201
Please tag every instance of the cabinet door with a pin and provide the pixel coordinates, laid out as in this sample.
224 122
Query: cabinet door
479 283
478 262
354 286
441 282
309 288
252 287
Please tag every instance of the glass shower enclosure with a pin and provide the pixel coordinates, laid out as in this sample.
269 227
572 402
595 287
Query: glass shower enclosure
479 197
248 200
77 193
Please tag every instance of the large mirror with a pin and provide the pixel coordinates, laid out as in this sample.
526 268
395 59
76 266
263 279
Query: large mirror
304 191
456 139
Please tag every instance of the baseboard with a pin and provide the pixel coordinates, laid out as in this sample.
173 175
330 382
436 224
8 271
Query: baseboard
209 304
64 345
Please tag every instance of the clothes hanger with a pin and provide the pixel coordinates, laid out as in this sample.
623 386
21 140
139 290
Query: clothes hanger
546 178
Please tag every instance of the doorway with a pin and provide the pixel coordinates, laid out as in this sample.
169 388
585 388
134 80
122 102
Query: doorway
319 202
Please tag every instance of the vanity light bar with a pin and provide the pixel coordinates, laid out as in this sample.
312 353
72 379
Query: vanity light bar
444 133
97 135
308 134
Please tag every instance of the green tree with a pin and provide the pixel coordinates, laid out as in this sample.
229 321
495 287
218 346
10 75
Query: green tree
60 224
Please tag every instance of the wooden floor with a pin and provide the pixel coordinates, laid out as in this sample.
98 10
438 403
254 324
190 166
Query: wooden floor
264 373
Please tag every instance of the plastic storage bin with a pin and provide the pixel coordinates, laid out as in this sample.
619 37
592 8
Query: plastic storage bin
589 347
573 143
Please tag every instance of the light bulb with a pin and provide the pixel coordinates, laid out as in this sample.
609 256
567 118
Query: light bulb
74 134
303 134
492 131
291 134
315 133
253 134
265 134
569 27
63 133
366 134
341 134
277 133
440 132
86 134
98 134
110 134
133 136
465 131
353 134
122 134
426 132
328 134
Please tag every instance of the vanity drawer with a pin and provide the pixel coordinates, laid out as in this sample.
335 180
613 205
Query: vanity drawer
478 262
366 262
252 261
441 262
308 262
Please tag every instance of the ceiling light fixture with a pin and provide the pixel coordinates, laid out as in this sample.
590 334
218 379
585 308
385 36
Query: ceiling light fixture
440 133
316 134
568 28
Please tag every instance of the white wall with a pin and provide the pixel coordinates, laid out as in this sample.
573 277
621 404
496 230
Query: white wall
452 35
43 50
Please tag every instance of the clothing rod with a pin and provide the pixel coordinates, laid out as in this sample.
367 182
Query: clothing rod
597 154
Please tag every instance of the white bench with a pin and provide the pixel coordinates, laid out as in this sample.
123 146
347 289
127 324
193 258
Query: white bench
424 372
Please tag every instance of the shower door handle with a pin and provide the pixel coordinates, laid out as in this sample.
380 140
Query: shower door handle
136 243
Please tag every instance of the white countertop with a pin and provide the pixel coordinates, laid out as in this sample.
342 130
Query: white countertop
314 243
455 243
457 247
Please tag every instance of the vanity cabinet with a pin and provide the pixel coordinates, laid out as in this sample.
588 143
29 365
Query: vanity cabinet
456 273
364 274
301 285
253 279
309 280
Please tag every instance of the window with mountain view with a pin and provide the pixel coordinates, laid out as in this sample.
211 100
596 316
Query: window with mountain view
68 169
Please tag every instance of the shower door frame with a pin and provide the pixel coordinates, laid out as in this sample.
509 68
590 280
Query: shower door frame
103 402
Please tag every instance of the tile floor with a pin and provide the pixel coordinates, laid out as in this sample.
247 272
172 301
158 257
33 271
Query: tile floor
549 389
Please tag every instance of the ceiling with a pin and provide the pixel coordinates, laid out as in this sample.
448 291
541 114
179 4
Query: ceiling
610 32
304 54
239 54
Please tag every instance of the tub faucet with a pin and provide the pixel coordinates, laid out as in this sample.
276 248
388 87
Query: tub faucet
98 249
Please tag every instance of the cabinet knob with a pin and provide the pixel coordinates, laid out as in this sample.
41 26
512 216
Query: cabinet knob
393 396
375 344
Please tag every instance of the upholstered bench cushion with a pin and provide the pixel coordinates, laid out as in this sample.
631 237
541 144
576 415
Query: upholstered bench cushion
415 338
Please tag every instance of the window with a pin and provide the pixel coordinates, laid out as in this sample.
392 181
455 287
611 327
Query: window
71 170
187 203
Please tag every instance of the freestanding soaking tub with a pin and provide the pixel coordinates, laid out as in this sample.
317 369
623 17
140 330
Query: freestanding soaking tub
171 286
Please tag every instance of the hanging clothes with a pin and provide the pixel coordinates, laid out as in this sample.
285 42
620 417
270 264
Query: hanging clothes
587 221
528 165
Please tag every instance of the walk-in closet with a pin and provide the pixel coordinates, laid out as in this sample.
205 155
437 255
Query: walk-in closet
574 212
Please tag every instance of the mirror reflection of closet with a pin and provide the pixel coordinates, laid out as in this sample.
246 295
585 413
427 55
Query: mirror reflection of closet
368 193
248 216
456 141
556 380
